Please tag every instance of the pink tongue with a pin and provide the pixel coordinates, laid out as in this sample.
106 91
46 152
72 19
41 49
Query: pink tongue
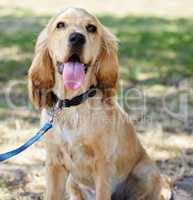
73 75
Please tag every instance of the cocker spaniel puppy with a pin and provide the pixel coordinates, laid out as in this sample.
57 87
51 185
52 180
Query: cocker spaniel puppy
92 150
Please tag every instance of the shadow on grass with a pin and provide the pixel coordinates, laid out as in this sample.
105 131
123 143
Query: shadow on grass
155 47
17 40
151 51
159 49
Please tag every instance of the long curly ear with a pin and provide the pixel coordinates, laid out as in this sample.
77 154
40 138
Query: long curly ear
41 74
107 74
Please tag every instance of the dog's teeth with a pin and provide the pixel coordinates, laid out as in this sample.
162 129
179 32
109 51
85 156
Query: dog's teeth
60 68
85 68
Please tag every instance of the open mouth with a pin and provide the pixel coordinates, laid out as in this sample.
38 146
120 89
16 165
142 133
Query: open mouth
74 58
73 72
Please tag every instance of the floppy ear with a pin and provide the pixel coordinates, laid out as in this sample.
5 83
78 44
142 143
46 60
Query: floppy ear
41 74
107 74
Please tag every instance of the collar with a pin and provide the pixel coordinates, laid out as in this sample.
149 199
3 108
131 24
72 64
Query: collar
77 100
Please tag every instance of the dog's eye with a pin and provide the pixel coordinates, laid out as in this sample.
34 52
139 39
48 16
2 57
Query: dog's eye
60 25
91 28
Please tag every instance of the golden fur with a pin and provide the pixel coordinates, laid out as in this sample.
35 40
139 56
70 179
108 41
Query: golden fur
92 149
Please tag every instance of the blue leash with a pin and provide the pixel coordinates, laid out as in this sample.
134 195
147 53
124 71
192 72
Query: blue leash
35 138
91 92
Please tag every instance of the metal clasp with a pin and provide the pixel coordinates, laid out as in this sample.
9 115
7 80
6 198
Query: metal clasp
53 113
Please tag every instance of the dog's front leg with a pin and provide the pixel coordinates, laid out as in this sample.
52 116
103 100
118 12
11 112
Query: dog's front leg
103 181
56 179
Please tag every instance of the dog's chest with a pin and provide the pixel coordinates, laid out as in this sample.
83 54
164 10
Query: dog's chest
76 153
67 128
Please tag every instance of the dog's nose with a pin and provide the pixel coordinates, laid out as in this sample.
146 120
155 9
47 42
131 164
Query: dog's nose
77 39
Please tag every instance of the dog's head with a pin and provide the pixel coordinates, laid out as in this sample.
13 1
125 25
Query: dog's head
72 38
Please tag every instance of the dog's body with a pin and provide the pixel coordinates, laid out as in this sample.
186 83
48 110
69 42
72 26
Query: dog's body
98 145
92 150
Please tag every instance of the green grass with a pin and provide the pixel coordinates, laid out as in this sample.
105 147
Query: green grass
160 46
156 49
151 50
160 49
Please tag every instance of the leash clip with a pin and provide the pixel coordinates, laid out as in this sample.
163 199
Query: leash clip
55 110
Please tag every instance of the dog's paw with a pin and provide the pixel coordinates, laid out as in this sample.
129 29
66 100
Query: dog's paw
74 198
166 191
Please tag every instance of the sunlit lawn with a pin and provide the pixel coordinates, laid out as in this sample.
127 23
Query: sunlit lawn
152 51
155 56
158 48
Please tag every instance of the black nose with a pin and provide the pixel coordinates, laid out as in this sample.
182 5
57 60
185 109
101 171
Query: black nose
77 39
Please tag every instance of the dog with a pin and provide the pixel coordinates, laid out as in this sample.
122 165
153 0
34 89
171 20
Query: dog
92 150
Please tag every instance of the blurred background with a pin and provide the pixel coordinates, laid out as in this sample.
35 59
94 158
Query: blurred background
156 74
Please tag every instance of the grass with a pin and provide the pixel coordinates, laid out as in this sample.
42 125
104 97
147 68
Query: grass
158 48
154 45
154 54
152 51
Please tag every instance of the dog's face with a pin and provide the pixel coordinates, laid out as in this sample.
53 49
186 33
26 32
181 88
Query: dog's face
72 36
